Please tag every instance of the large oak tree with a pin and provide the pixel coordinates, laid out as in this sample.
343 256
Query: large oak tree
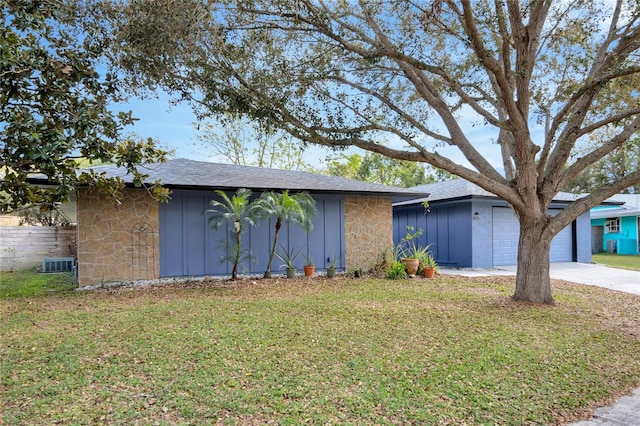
542 75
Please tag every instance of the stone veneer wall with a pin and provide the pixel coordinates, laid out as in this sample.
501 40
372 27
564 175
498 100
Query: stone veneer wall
368 230
110 245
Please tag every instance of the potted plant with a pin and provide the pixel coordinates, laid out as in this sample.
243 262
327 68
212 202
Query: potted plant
412 256
331 269
409 252
309 267
288 256
429 265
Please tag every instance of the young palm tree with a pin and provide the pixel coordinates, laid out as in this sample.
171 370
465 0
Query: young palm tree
299 208
236 210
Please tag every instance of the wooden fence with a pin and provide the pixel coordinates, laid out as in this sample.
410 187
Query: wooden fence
23 247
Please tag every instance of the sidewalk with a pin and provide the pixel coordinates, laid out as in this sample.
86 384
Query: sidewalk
625 411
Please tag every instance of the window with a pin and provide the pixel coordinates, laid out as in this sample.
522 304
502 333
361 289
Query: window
613 224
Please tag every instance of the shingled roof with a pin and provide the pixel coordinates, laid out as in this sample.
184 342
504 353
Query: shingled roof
189 174
624 205
461 188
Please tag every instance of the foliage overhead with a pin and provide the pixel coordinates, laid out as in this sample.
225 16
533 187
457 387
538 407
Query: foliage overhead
537 78
43 216
245 143
54 110
621 162
377 168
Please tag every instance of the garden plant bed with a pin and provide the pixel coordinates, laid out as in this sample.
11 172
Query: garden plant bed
447 350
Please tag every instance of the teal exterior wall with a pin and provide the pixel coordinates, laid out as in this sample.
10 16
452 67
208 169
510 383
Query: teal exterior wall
626 239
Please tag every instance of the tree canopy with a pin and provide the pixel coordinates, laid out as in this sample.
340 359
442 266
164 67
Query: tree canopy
244 143
621 162
413 81
54 109
377 168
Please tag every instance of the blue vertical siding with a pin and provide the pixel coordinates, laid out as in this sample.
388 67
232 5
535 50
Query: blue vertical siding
171 242
446 228
462 239
190 247
333 233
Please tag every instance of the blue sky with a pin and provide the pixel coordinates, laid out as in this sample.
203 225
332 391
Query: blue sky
170 124
173 126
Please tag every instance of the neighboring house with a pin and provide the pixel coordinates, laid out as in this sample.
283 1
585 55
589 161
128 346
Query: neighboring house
140 238
469 227
615 225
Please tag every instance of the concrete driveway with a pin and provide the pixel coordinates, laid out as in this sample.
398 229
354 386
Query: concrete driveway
583 273
593 274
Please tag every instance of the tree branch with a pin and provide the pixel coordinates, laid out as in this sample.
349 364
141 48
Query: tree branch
595 155
583 205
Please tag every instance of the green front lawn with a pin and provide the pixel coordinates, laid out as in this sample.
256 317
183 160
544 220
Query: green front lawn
448 350
623 261
29 283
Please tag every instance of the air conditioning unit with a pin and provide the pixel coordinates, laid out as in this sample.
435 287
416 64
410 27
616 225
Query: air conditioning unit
58 264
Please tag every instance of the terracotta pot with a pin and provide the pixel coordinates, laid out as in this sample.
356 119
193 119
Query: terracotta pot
412 266
309 270
429 272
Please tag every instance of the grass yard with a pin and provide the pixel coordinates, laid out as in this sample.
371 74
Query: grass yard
623 261
29 283
448 350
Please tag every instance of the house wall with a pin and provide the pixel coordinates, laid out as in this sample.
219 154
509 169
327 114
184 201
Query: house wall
583 238
177 240
626 241
191 247
117 241
482 231
446 228
368 230
463 239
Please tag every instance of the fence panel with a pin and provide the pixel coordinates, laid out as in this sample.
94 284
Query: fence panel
23 247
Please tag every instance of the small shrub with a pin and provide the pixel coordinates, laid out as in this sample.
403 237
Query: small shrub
383 262
397 271
355 273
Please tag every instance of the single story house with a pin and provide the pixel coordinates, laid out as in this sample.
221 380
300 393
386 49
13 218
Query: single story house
615 225
140 238
469 227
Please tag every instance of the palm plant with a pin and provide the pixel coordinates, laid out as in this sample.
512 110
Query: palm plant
236 210
299 208
288 256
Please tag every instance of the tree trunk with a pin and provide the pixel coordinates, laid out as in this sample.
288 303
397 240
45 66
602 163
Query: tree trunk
236 256
267 273
532 280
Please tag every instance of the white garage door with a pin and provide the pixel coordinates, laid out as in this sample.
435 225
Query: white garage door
506 231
